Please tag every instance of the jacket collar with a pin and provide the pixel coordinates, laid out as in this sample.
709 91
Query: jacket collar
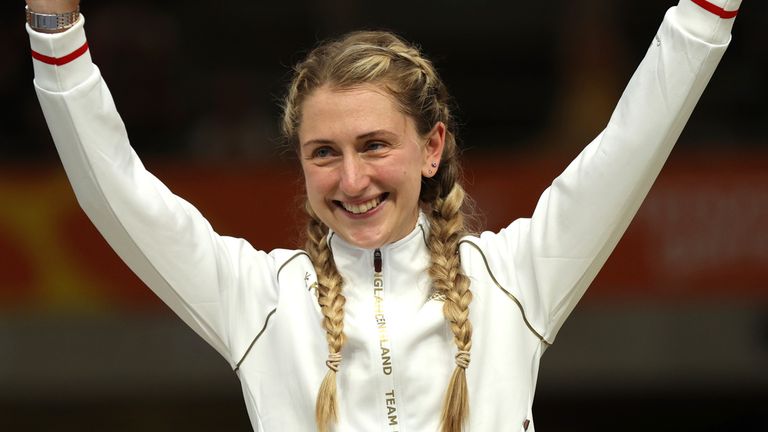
405 261
421 230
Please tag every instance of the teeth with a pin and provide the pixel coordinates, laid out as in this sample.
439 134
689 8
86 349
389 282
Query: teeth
363 207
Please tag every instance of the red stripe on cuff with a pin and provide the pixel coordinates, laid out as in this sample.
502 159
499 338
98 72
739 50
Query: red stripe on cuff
59 61
715 9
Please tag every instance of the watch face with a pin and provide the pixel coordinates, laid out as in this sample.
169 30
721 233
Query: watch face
48 22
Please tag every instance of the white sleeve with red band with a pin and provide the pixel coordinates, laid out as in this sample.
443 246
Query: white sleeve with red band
548 261
708 20
61 60
161 237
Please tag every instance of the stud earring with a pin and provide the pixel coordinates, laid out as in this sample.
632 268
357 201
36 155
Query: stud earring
434 164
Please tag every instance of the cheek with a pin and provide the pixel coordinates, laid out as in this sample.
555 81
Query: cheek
317 183
405 179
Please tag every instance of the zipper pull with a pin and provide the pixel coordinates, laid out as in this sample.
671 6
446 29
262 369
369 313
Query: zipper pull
377 261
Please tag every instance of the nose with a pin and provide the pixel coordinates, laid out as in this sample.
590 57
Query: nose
354 176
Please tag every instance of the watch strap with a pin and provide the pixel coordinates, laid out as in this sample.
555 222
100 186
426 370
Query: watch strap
51 23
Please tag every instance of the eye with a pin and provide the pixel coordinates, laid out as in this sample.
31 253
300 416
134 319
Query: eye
322 152
374 146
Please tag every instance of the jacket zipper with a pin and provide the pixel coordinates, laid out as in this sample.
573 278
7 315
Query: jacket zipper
385 346
377 261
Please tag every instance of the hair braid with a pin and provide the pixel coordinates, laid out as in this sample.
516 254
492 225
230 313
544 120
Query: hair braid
331 302
446 229
384 59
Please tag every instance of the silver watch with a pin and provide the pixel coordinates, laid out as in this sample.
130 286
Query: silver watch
52 23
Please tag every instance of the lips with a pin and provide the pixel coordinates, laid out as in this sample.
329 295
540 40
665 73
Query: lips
362 207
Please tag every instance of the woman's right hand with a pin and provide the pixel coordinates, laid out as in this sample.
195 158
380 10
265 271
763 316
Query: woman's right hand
52 6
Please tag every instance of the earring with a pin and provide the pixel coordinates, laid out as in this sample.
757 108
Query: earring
434 164
430 172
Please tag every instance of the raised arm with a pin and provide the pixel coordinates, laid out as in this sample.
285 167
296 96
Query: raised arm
581 216
205 278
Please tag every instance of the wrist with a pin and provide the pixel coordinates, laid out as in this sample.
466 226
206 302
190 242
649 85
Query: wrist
52 6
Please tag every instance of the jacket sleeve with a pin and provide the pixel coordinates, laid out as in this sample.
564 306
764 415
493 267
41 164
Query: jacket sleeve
578 220
205 278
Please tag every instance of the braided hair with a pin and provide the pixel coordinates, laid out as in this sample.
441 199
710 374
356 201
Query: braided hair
385 59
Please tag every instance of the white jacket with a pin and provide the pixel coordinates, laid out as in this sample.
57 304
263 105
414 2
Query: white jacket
259 309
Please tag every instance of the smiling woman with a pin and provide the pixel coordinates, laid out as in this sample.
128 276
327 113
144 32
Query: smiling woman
371 120
374 325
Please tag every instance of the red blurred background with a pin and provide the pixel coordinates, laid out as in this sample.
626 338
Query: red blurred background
673 334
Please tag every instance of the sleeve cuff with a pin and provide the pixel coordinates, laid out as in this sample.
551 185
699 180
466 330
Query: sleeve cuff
61 61
708 20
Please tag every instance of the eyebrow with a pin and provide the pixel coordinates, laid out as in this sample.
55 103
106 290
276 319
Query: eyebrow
367 135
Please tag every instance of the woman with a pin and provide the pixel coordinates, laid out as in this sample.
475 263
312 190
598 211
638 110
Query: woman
375 324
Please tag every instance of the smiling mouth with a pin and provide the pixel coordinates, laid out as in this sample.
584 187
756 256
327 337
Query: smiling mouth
363 207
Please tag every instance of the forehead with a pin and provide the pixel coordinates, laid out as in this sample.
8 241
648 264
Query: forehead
337 114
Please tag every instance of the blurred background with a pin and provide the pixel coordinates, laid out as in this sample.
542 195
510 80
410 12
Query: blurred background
673 334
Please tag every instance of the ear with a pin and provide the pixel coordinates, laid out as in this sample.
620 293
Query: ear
433 150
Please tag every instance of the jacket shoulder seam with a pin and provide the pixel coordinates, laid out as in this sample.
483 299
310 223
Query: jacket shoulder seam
504 290
269 315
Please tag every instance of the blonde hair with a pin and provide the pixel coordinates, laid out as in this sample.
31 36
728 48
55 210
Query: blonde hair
384 59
